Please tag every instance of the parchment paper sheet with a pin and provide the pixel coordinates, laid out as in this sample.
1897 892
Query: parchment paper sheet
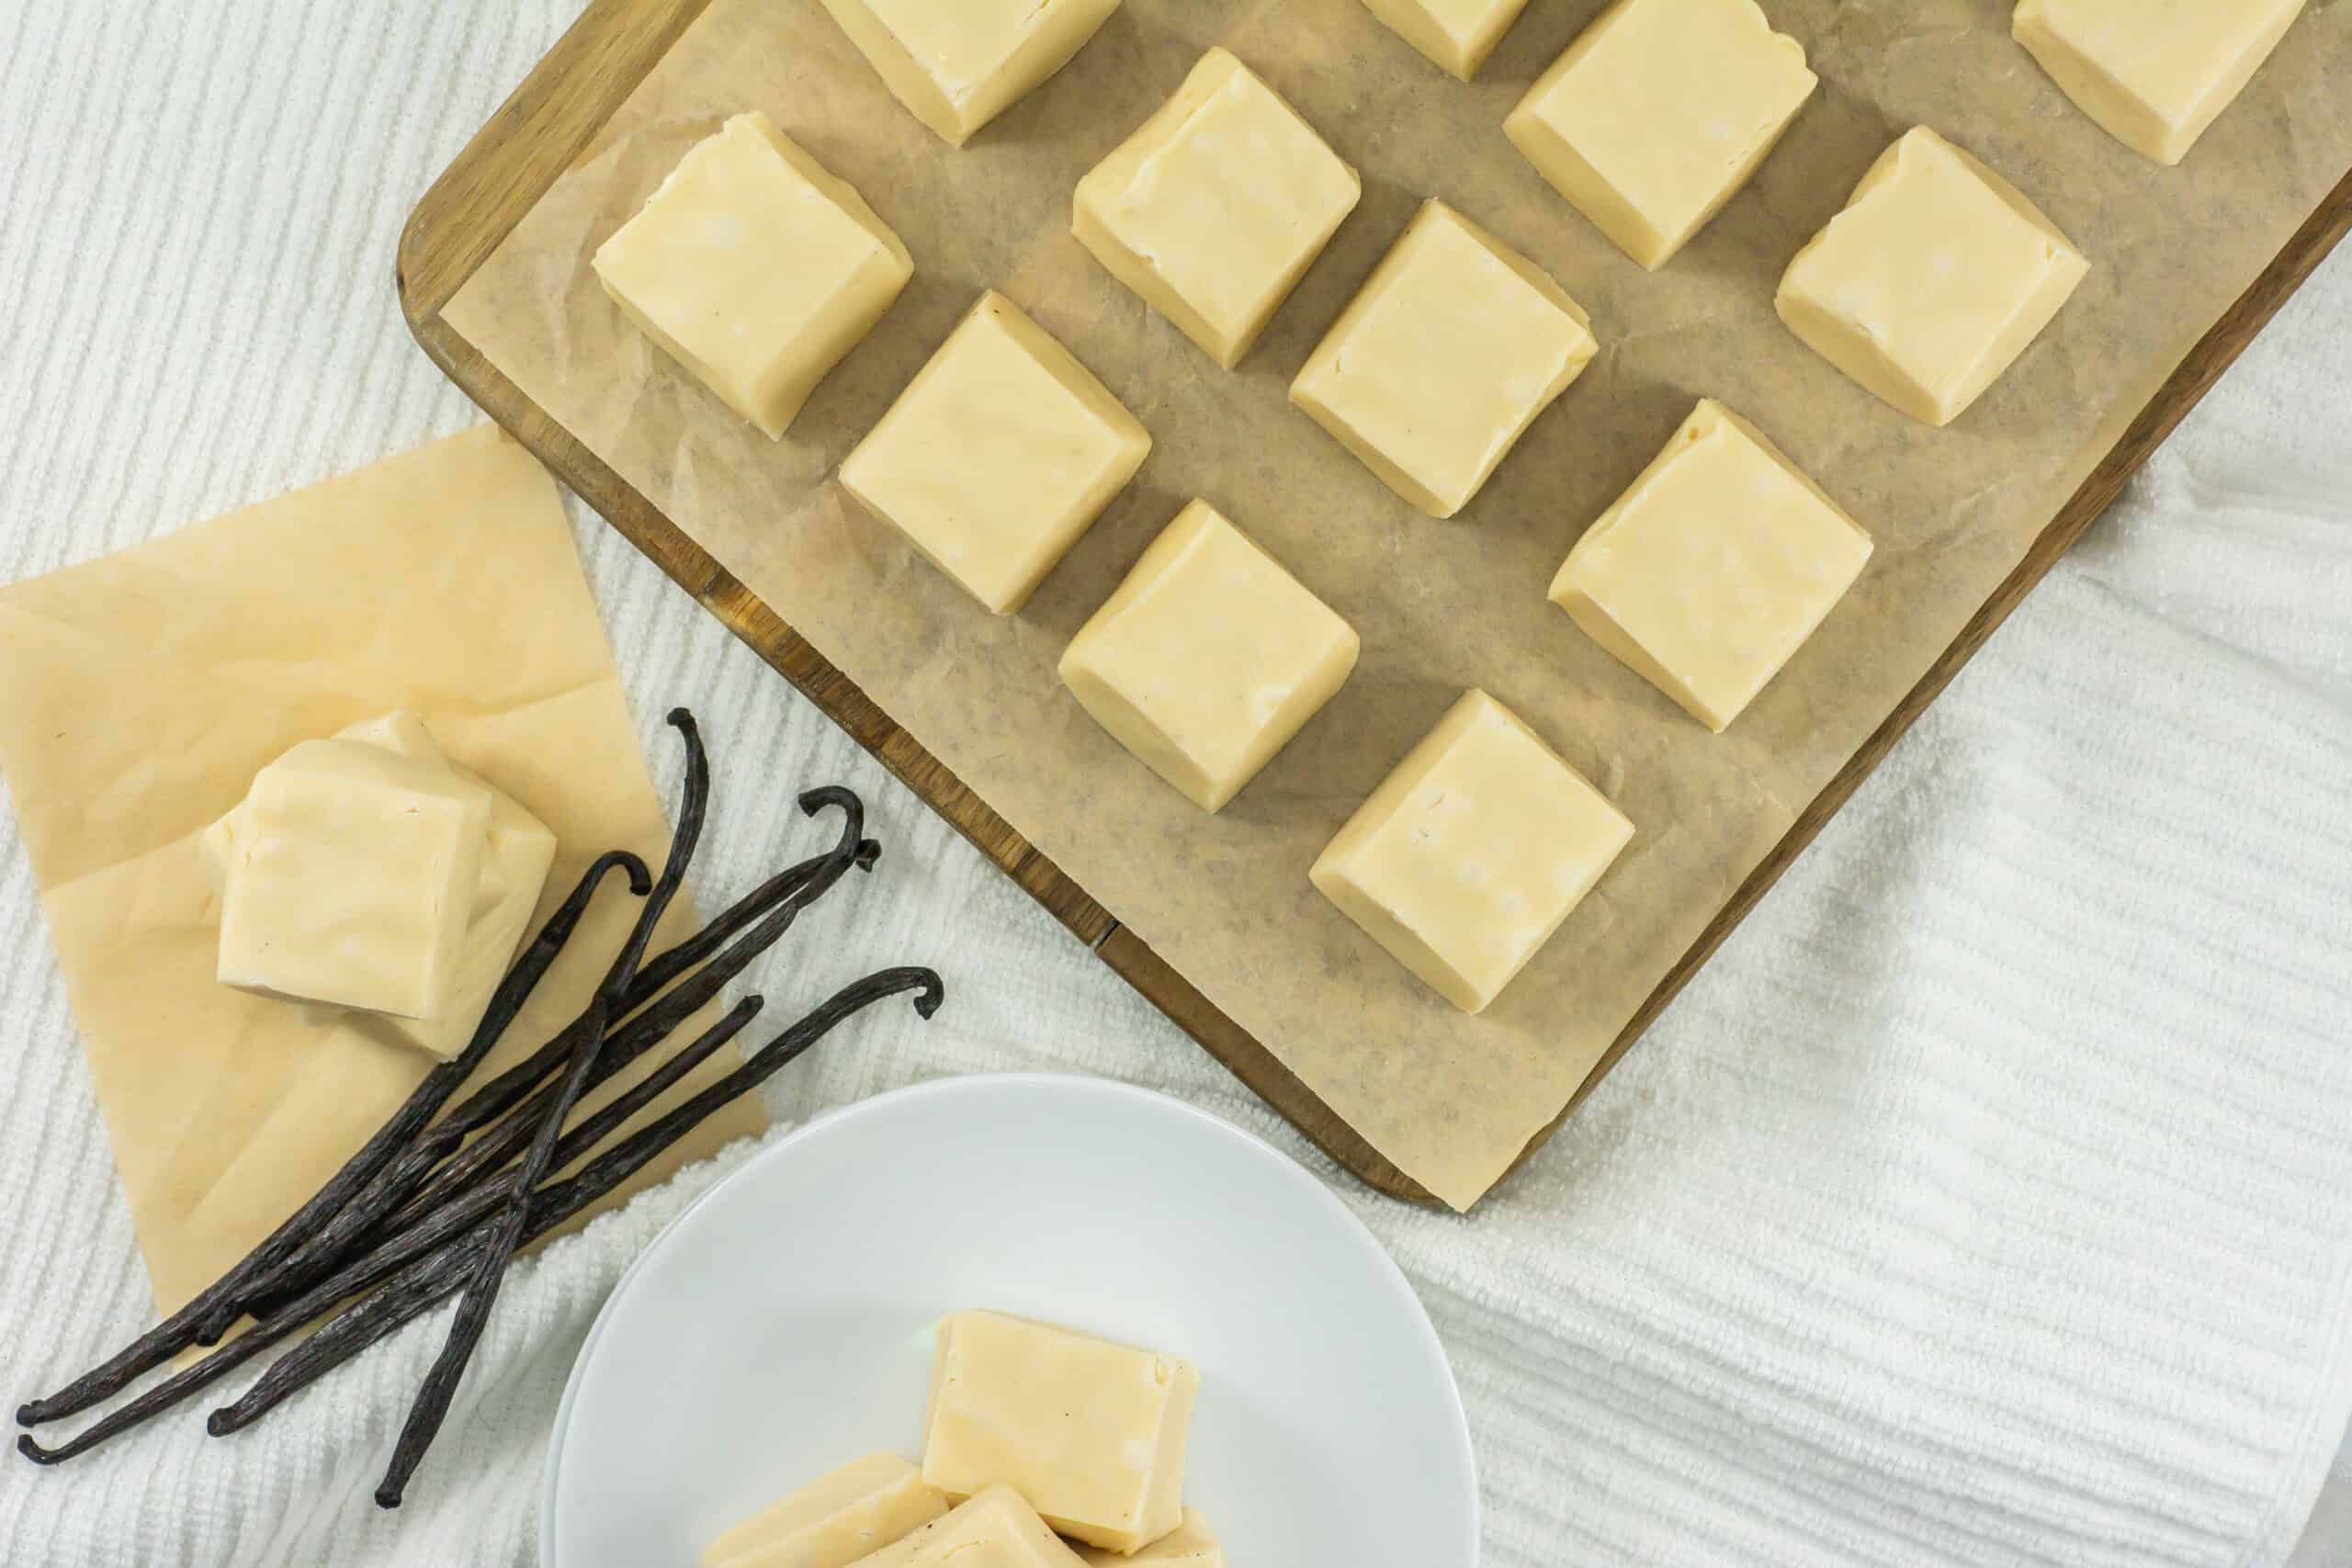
1450 1100
143 691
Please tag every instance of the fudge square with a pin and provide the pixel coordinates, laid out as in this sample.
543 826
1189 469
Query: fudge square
1714 568
998 456
349 875
1472 852
1214 208
995 1529
1208 658
957 65
1090 1433
755 270
1453 347
1932 281
1659 113
2154 74
1456 35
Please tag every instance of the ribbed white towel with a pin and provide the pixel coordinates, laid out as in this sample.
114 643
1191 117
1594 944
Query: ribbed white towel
1987 1202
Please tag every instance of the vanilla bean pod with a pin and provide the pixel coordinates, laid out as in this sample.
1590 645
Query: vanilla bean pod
192 1322
398 1187
502 1140
497 1097
411 1293
505 1233
428 1234
557 1202
426 1230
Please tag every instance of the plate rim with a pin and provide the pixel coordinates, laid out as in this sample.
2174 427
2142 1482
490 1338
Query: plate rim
1251 1145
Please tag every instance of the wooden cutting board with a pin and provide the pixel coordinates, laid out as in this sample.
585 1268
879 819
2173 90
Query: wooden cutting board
553 115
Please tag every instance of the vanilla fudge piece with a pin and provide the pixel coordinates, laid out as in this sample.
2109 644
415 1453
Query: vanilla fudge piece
349 876
1932 281
957 65
833 1521
998 456
1659 113
755 270
995 1529
1217 207
1456 35
517 858
2154 74
517 853
1208 659
1439 366
1711 571
1472 852
1191 1544
1090 1433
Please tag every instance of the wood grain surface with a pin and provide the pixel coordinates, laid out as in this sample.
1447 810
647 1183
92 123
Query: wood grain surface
554 115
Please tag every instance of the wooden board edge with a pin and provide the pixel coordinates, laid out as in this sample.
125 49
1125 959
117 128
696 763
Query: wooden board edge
502 171
1248 1059
545 123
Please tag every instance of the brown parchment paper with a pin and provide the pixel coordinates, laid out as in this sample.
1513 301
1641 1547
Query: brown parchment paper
1450 1100
142 691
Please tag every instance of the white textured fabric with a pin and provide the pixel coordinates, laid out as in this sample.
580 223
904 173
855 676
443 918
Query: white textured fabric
1988 1201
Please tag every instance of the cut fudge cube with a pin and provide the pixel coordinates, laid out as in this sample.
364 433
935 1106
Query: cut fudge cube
1439 366
516 857
1456 35
835 1520
995 1529
518 853
1472 852
2154 74
1708 574
349 876
959 65
1192 1544
1208 659
1217 207
1659 113
1090 1433
1000 452
755 270
1932 281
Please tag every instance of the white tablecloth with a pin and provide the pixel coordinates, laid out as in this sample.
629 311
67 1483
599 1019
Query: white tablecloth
1988 1201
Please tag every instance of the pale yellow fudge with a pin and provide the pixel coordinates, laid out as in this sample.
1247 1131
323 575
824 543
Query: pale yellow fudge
2154 74
995 1529
1659 113
1441 362
1217 207
755 270
1208 658
1932 281
1710 573
1456 35
348 878
1472 852
1000 452
517 851
1191 1544
833 1521
1089 1432
515 861
957 65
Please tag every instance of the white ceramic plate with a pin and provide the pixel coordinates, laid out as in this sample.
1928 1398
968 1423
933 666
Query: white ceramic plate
781 1326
